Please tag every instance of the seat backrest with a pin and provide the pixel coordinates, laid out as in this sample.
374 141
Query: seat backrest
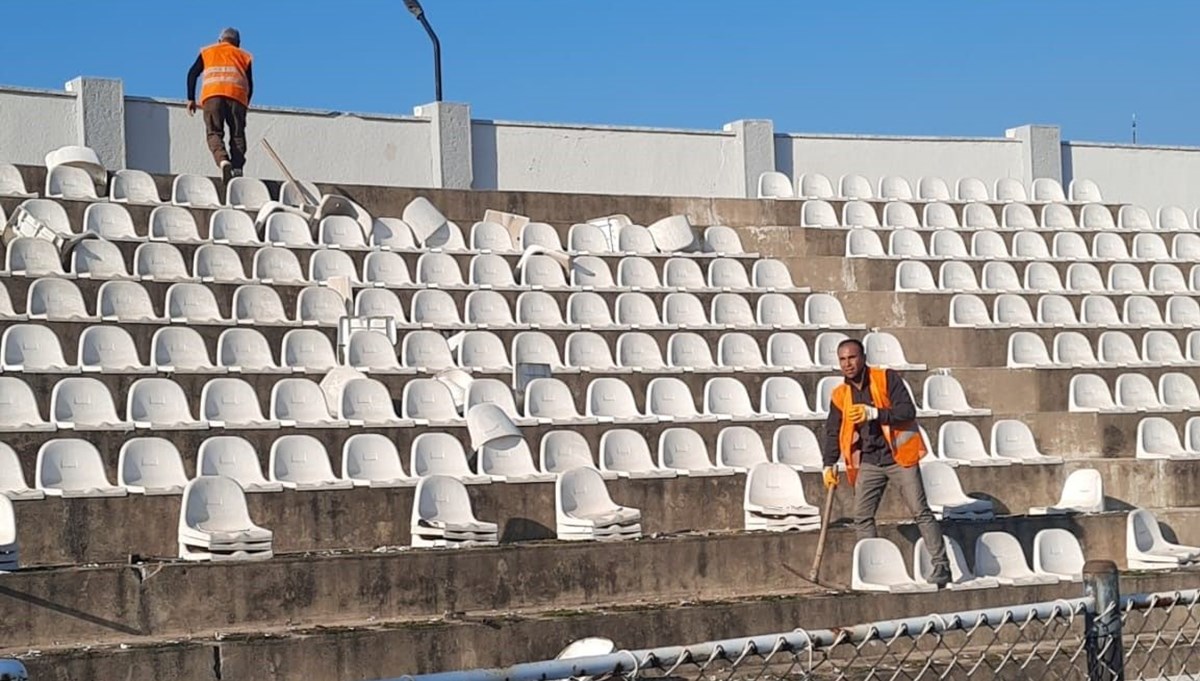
1088 392
683 449
326 264
173 223
507 459
1047 189
194 190
1083 189
783 395
300 400
859 214
961 441
1095 216
732 309
244 349
933 189
1012 439
956 275
277 265
814 186
392 233
487 308
825 348
482 350
941 483
725 395
233 226
1073 348
854 186
907 243
217 262
366 399
999 554
944 393
639 349
1183 310
387 268
549 398
774 184
896 188
1057 310
1083 491
309 349
418 349
441 498
1178 390
739 349
939 216
774 485
822 309
1116 347
69 182
622 449
1143 311
687 349
540 234
1123 276
152 463
637 272
300 458
31 257
788 350
969 310
588 238
610 397
770 273
636 239
53 298
258 303
341 231
32 347
878 562
179 348
722 240
438 454
684 273
588 349
230 456
247 193
899 214
669 396
535 347
818 213
125 301
727 273
1026 349
542 270
588 308
914 275
971 189
231 400
371 456
439 269
540 309
82 401
1173 219
106 347
434 306
1137 391
489 269
108 221
158 401
491 391
69 464
1010 189
562 450
684 309
320 305
1030 245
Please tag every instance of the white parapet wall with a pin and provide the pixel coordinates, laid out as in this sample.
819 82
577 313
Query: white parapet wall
441 146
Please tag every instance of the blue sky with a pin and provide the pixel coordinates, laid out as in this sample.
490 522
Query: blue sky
941 67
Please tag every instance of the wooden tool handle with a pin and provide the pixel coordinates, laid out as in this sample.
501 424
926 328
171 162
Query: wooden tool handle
826 512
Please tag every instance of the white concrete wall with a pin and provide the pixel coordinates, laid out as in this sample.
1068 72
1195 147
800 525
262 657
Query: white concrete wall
34 122
604 160
911 157
1142 175
322 146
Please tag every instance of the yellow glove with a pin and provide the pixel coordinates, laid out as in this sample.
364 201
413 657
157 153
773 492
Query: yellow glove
830 476
857 414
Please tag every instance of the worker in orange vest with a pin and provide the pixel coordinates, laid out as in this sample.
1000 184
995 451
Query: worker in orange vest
872 426
224 97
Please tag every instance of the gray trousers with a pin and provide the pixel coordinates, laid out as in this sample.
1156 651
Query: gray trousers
868 492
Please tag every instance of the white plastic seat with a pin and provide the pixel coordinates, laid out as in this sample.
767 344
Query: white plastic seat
488 270
435 308
859 214
340 231
1142 311
56 300
1073 349
235 458
215 524
549 400
639 351
125 301
496 392
1167 278
20 408
727 398
82 403
32 257
1056 310
483 350
940 216
689 351
945 495
1083 492
997 276
1083 277
71 468
69 182
999 555
775 185
159 262
683 274
1093 216
1183 311
914 276
49 213
300 462
1158 439
732 310
11 182
893 188
1031 246
1173 219
1124 277
1070 246
308 350
245 351
1178 391
367 402
1015 216
150 466
959 442
637 273
670 399
562 450
319 306
1110 246
884 350
246 193
300 403
788 351
584 510
442 516
1117 348
107 349
983 216
961 577
542 271
1147 549
968 310
108 221
1160 347
385 268
218 263
612 400
777 311
588 238
814 186
988 245
1013 440
685 310
774 500
488 309
590 272
1009 189
438 269
1027 350
258 304
31 348
1083 189
12 477
588 309
783 397
194 304
878 565
823 310
683 450
429 401
588 351
425 351
906 243
728 274
1047 189
232 403
195 191
720 240
174 224
1089 393
854 186
299 194
509 462
625 452
490 236
944 394
740 352
391 234
818 213
272 265
6 307
1185 246
371 460
864 243
1042 276
227 226
180 350
898 214
932 188
540 234
1135 219
825 349
539 309
160 404
1136 391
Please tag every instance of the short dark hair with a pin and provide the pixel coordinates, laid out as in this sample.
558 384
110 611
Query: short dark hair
855 342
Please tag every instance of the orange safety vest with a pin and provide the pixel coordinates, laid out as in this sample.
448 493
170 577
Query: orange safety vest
904 439
225 73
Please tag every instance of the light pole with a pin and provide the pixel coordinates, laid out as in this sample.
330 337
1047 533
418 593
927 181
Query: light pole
414 6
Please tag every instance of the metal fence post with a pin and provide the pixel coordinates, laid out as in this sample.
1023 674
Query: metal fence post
1105 648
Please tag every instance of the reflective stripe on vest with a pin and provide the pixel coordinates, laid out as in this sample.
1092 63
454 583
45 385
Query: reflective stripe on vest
904 439
225 73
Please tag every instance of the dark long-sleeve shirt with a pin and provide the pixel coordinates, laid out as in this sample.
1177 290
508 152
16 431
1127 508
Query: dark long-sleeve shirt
875 449
197 69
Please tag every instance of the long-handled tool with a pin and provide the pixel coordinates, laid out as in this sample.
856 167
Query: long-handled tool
826 512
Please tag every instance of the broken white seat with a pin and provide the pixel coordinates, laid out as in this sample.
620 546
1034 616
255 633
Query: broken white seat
233 457
1057 552
1013 440
626 453
442 454
999 555
584 509
442 515
300 462
946 497
683 450
84 403
300 403
959 442
72 468
371 460
1147 549
215 524
796 446
232 403
774 500
1083 492
961 577
672 233
160 404
493 391
32 257
69 182
151 466
878 565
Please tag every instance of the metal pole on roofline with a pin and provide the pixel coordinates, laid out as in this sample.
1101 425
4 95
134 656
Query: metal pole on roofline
414 6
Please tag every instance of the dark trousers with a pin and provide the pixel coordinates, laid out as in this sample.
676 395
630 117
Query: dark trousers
868 492
221 113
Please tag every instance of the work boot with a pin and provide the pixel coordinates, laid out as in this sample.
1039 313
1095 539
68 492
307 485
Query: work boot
237 172
940 575
226 171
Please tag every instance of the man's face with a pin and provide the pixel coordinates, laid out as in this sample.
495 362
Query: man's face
851 360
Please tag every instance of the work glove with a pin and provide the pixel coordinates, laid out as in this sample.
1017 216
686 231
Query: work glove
830 476
861 413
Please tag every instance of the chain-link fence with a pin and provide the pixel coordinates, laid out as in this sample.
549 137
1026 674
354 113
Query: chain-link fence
1098 637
